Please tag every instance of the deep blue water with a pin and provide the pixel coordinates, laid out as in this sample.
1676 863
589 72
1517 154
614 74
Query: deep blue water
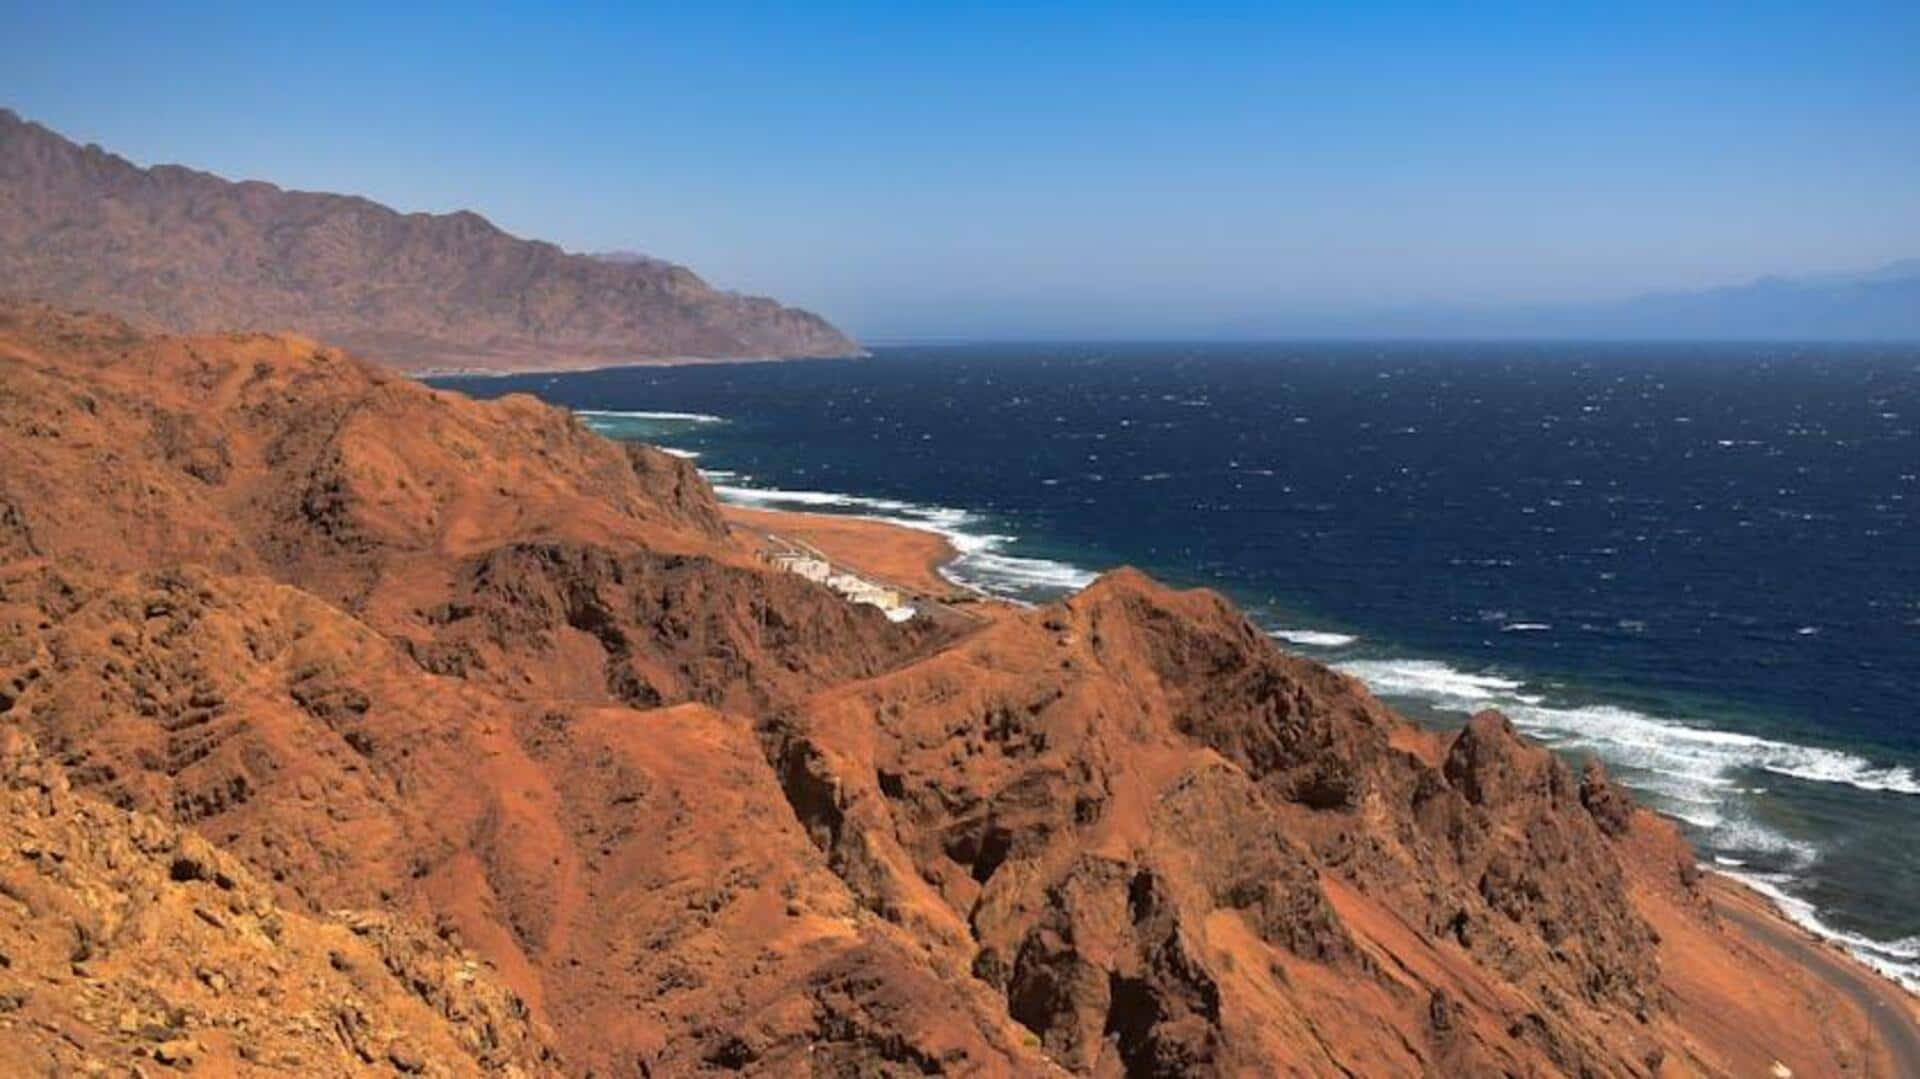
1700 562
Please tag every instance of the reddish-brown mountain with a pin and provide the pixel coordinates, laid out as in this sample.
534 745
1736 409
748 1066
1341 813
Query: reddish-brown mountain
179 249
344 642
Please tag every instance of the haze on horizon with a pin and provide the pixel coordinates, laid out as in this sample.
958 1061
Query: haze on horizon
1200 170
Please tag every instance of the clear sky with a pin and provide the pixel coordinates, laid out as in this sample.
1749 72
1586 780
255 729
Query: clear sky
1027 169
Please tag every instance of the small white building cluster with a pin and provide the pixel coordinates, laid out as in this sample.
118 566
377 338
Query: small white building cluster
813 569
854 589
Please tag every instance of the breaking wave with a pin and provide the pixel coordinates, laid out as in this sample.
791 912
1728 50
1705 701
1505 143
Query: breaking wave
1701 756
1897 959
1436 683
981 562
1698 775
1313 638
664 417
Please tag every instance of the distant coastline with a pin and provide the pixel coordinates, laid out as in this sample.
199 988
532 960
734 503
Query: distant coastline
565 367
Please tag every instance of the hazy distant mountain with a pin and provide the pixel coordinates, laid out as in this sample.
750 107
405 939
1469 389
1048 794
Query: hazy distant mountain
184 249
1904 270
1875 305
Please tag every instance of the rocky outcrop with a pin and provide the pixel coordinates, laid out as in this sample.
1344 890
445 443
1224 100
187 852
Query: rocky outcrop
125 941
645 629
1131 815
184 250
637 875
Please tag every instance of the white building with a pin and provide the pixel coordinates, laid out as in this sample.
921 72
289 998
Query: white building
854 589
813 569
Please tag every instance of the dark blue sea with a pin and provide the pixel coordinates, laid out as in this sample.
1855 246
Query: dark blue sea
1699 562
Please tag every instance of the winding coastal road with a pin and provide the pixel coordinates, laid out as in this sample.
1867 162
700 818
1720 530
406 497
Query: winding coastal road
1885 1005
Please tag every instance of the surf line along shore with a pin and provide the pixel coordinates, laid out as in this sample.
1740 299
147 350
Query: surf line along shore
910 560
899 558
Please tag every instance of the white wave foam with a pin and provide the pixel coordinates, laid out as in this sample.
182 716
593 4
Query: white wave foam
981 560
1435 682
1690 772
1897 959
685 455
1706 754
1701 756
769 496
1014 576
665 417
1313 638
1830 766
1526 627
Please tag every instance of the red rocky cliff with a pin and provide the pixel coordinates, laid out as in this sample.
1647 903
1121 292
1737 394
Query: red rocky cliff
519 693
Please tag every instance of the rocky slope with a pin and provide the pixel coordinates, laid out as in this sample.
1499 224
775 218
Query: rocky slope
1161 839
472 668
127 940
181 249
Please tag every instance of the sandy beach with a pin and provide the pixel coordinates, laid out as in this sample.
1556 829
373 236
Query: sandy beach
907 558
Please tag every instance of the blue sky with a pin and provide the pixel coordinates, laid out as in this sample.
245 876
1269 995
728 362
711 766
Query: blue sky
1024 169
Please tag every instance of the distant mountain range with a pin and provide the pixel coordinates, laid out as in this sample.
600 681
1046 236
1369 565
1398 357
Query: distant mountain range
1876 305
180 249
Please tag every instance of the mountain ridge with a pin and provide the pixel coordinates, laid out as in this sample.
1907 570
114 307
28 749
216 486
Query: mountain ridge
179 248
